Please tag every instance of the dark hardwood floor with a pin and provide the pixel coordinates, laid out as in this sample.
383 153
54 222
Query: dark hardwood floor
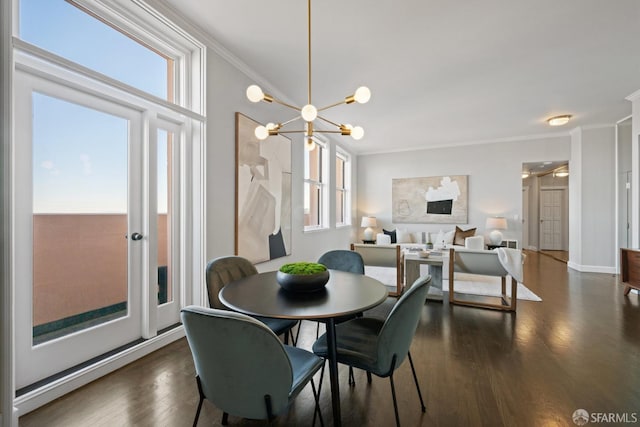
578 348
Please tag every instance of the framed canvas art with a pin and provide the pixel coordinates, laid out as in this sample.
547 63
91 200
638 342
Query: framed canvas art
430 200
263 194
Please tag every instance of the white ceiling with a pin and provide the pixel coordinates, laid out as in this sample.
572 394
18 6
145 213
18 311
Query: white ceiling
441 72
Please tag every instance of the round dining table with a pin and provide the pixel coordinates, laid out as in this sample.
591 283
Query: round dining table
344 294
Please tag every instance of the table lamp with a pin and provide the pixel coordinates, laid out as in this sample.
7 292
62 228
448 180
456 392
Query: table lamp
368 221
496 224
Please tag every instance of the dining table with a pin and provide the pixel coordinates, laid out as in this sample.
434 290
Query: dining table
344 294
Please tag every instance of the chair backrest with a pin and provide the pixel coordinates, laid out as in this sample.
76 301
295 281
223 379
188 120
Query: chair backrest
238 360
481 262
343 260
400 327
223 270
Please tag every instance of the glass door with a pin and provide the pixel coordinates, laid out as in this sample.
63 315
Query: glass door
79 215
166 141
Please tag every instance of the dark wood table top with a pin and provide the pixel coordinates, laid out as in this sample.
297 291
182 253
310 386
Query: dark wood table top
344 294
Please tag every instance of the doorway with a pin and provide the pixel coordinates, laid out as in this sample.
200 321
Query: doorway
546 201
97 226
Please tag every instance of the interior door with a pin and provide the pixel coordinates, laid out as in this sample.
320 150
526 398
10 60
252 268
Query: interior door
551 219
79 212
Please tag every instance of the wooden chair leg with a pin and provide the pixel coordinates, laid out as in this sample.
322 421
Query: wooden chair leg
225 418
627 289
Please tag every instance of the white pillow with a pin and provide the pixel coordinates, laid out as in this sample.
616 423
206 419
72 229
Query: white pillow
383 239
403 236
474 242
446 237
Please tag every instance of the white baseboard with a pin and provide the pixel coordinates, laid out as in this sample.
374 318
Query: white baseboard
39 397
591 268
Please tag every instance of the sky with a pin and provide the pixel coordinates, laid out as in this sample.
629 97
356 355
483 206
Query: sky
80 155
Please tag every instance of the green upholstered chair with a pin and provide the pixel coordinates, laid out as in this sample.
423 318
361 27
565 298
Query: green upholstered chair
343 260
223 270
242 367
380 346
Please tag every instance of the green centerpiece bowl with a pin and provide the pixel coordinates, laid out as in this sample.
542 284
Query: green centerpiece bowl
302 277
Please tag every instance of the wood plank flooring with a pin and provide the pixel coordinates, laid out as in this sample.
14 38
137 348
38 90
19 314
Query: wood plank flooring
578 348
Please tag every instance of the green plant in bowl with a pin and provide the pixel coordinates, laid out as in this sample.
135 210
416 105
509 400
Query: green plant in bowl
303 268
302 276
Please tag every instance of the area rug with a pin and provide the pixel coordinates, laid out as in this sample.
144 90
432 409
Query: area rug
488 286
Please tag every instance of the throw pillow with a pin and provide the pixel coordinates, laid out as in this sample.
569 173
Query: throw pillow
383 239
391 234
460 235
403 236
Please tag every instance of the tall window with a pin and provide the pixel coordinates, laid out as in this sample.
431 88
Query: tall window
343 184
108 141
315 198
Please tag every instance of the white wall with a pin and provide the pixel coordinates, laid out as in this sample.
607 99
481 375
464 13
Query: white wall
495 181
593 209
226 86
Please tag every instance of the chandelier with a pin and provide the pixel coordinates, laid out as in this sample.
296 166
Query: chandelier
308 113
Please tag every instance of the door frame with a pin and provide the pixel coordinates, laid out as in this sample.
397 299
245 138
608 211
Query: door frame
192 248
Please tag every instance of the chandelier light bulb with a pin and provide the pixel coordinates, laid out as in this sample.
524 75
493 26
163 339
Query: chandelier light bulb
261 133
309 113
309 145
357 133
270 126
254 93
362 95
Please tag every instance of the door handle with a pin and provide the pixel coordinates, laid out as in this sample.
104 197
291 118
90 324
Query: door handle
136 236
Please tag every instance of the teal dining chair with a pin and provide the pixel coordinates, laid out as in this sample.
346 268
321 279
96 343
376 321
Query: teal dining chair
343 260
223 270
242 367
380 346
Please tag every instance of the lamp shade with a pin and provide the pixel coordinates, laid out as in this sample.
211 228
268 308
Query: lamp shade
496 223
368 221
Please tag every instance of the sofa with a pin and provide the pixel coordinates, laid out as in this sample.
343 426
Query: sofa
385 260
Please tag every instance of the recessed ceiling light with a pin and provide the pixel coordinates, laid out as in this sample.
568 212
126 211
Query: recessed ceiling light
559 120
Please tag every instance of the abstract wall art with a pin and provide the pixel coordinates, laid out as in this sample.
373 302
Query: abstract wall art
263 194
433 200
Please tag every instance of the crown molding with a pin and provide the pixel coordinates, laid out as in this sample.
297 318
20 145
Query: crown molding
634 96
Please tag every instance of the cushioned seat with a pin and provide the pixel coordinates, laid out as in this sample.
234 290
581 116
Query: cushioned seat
223 270
242 367
380 346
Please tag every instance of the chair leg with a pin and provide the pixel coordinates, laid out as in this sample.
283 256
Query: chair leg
295 341
267 402
415 379
395 402
286 336
352 380
369 377
225 418
195 420
318 329
316 396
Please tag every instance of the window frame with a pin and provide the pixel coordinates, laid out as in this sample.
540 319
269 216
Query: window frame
345 189
321 183
160 30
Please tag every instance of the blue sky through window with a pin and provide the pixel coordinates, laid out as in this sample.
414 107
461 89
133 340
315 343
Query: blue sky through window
80 154
67 31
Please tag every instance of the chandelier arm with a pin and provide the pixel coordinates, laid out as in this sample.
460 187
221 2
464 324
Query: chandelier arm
331 106
293 107
292 131
290 121
329 121
327 131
